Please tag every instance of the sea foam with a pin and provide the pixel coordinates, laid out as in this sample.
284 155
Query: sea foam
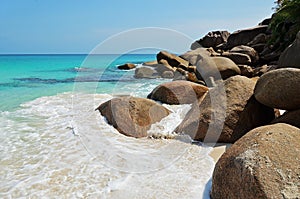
58 146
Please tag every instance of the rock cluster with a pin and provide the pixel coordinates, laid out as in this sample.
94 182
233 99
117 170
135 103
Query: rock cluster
248 83
220 55
264 163
230 105
245 36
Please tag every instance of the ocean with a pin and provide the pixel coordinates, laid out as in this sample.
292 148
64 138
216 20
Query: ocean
55 145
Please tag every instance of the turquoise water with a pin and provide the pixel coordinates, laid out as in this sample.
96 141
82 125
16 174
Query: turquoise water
55 145
26 77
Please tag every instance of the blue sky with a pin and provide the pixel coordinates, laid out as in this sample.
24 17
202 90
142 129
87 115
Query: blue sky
77 26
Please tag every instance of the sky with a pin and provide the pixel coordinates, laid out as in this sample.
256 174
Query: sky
78 26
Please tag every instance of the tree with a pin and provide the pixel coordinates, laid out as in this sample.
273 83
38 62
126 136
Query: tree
285 23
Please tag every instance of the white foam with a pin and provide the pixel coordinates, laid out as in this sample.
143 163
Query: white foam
165 128
282 112
59 146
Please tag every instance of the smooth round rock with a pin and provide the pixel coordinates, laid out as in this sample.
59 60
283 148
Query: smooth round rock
279 89
263 164
132 116
178 92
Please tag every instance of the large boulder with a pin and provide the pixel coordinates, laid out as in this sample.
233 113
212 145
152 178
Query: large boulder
229 108
172 59
238 58
209 66
161 68
269 56
289 117
262 164
211 39
132 116
242 37
246 50
259 39
178 92
193 56
126 66
291 55
279 89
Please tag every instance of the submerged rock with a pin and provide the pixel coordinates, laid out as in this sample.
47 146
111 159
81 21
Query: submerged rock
262 164
132 116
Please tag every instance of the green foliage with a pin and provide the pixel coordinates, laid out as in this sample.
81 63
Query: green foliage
285 23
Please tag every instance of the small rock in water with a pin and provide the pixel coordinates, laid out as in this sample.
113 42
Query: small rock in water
126 66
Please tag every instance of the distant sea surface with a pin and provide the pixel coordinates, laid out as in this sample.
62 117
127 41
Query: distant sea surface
26 77
54 145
